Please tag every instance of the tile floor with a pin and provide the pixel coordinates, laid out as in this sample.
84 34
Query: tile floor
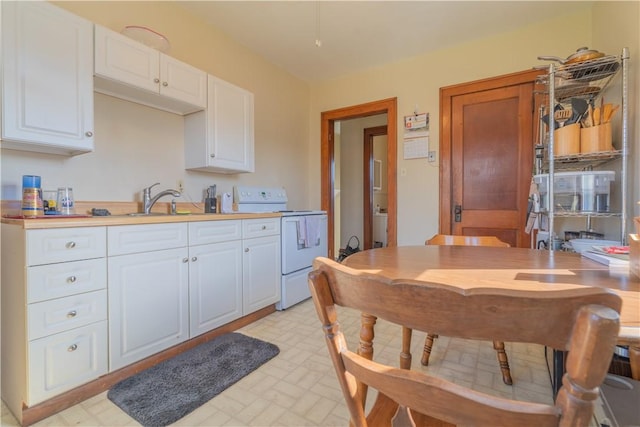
298 387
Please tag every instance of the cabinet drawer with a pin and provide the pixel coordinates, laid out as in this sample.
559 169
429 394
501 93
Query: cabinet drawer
64 361
59 280
62 314
202 233
129 239
65 244
260 227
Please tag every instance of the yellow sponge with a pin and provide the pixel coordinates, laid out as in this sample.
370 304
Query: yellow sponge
182 212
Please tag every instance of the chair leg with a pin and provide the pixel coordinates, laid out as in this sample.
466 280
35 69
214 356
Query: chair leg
428 345
405 354
503 361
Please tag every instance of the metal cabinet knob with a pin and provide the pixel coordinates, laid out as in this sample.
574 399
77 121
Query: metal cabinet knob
165 84
185 259
246 249
212 155
264 227
70 245
195 258
72 347
72 314
71 279
88 133
156 80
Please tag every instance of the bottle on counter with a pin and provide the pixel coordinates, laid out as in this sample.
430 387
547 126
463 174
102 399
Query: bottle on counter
32 205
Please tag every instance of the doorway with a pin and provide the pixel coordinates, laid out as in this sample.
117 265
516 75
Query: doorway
487 143
328 173
374 189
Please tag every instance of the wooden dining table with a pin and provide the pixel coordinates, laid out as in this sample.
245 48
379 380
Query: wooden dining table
470 267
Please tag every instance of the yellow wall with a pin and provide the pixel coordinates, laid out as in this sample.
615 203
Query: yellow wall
416 82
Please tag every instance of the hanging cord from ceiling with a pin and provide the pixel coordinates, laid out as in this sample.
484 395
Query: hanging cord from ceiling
318 40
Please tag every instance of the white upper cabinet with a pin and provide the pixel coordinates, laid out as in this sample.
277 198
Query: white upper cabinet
47 84
127 69
221 138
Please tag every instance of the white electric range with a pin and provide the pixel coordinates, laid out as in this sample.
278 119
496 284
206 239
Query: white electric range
303 237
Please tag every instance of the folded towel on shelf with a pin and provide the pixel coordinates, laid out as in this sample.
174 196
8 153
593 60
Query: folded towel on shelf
312 231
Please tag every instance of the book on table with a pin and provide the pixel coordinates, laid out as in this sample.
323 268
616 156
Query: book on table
611 256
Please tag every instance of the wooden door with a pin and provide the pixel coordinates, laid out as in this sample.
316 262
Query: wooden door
488 142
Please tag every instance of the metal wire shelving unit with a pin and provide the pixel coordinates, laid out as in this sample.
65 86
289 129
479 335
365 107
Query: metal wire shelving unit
587 80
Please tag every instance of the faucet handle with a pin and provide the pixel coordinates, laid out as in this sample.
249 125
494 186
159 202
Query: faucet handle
148 189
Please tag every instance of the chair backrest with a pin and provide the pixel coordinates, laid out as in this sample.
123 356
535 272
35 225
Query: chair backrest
451 240
584 321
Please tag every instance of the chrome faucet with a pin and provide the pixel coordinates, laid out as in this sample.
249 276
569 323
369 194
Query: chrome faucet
150 201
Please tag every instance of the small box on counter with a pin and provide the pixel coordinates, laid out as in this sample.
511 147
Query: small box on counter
634 254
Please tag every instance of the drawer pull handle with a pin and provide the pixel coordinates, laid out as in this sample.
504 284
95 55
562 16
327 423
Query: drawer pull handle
185 259
72 279
72 347
72 314
195 258
264 227
70 245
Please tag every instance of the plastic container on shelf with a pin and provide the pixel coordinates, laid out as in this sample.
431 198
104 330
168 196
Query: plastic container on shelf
585 191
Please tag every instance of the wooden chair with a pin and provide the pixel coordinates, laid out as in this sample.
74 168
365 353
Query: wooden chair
583 321
450 240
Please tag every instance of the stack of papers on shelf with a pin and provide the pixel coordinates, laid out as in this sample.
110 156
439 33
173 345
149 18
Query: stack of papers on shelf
613 256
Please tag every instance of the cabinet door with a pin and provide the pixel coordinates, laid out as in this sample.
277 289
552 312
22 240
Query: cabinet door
215 285
183 82
60 362
230 136
148 304
47 56
260 273
120 58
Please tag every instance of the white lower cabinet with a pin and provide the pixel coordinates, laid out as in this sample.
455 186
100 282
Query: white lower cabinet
148 291
80 302
261 270
54 312
60 362
260 273
234 270
215 285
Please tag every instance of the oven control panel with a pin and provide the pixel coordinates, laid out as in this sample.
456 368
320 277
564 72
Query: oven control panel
271 195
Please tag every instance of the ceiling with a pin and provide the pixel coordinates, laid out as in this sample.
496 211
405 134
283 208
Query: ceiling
356 35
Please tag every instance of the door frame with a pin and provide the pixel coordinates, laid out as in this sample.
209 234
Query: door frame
367 182
327 168
446 156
